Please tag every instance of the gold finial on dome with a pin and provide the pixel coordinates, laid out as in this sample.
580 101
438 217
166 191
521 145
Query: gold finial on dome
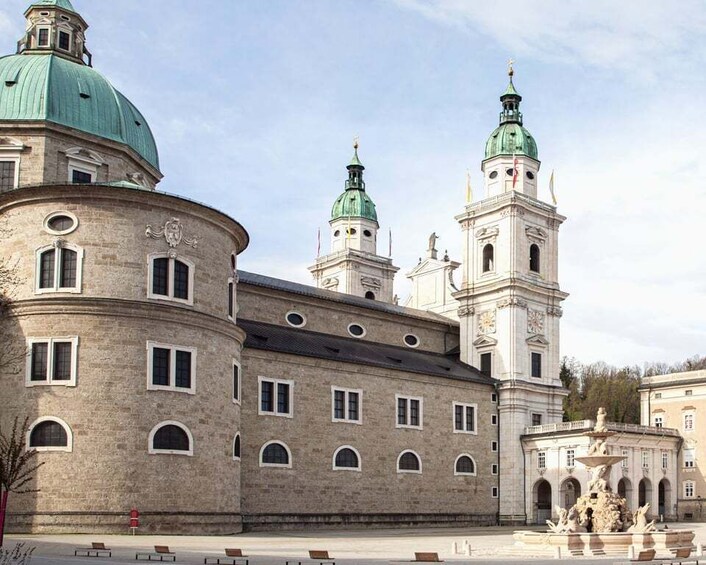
356 142
510 70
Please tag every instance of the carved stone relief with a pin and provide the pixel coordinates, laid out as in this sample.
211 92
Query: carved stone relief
512 301
535 322
173 233
371 282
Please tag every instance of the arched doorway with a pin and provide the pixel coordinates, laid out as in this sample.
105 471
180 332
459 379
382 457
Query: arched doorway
664 490
644 492
543 501
569 491
625 489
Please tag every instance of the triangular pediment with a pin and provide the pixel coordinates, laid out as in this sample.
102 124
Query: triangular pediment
485 340
537 340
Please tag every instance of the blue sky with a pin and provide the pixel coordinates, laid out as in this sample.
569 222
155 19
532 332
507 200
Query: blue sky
254 105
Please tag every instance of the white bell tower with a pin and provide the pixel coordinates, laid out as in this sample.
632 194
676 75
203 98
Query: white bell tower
510 300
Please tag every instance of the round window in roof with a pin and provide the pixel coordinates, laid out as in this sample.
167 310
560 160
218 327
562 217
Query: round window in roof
493 175
356 330
336 233
295 319
510 172
367 233
530 175
60 223
411 340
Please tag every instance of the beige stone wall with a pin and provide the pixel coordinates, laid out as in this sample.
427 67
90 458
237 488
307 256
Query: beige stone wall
110 411
265 305
312 486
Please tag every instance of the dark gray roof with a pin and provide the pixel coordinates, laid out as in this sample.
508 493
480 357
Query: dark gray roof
295 341
306 290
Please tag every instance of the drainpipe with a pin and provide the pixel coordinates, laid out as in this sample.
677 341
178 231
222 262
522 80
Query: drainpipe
497 410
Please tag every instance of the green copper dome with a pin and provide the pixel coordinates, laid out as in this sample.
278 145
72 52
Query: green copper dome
46 87
64 4
510 137
354 202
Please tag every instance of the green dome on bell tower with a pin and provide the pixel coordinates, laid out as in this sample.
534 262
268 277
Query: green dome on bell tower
510 137
354 202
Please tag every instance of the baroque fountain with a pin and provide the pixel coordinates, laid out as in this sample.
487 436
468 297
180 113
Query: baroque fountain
600 521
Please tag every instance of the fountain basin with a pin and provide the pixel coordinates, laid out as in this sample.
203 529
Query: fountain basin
613 543
596 460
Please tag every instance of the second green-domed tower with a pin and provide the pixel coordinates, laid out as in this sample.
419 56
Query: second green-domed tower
353 266
511 160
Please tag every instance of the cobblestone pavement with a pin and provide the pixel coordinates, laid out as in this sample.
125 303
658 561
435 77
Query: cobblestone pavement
488 545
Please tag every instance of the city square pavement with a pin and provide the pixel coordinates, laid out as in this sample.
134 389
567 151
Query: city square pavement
373 547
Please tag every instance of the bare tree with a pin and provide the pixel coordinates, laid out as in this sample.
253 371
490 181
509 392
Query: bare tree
17 466
11 351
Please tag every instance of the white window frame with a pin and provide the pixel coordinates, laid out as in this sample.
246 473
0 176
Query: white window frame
286 319
172 367
231 281
68 31
68 448
50 341
494 446
493 419
240 382
5 158
170 278
689 485
665 460
645 459
542 370
461 474
493 492
689 463
80 162
346 392
276 465
691 414
49 34
493 468
421 412
357 469
53 215
571 457
409 471
541 460
465 405
275 382
658 421
57 268
494 397
361 336
150 440
236 436
532 415
417 343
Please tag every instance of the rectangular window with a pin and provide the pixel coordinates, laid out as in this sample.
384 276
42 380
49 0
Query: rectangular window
570 462
645 459
494 469
536 419
493 446
688 422
7 175
59 269
236 382
47 274
409 412
346 405
493 419
665 460
659 421
67 274
624 462
658 395
537 365
275 397
52 361
43 37
688 392
65 44
81 177
464 418
171 367
494 492
493 397
689 489
231 299
170 279
486 360
689 457
541 460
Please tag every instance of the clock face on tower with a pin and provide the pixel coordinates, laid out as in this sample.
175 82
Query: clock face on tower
486 322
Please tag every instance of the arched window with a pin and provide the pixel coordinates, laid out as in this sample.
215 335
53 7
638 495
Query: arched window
171 437
59 268
464 465
170 278
370 295
236 446
49 434
534 258
488 258
275 454
347 458
409 462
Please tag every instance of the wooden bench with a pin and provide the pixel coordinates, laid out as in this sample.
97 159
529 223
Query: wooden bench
233 556
160 551
644 556
682 555
97 549
316 556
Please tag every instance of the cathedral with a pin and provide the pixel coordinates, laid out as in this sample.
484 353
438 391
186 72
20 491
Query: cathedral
158 377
